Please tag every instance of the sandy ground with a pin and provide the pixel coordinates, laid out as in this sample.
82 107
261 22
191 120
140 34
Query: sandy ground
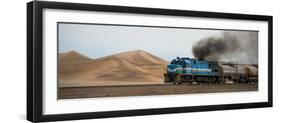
142 90
104 83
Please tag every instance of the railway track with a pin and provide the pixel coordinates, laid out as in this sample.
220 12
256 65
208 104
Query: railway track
155 89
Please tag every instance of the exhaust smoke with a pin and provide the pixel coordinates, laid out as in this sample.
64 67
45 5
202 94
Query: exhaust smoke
240 47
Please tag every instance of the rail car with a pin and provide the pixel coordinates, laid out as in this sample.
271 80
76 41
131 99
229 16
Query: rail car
188 70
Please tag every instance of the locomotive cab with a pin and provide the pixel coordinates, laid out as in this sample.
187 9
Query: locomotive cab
179 66
177 69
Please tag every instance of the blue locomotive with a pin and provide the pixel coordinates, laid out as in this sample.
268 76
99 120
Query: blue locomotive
188 70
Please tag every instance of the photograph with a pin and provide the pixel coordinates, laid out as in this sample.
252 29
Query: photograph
90 60
112 60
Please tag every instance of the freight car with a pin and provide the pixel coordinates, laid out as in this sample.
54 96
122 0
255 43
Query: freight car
188 70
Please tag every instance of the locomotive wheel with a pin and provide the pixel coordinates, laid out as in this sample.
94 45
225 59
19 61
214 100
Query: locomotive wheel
177 80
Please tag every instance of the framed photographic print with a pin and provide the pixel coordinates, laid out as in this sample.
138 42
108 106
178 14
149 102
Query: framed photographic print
95 61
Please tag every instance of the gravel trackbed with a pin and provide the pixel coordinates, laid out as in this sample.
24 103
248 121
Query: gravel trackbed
143 90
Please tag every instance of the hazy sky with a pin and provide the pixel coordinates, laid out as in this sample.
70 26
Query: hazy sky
97 41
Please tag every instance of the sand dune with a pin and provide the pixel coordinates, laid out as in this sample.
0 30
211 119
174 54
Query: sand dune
73 57
133 67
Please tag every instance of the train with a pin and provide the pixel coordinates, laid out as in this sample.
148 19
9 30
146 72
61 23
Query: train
190 70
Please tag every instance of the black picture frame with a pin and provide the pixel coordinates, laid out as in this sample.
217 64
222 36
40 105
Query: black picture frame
34 60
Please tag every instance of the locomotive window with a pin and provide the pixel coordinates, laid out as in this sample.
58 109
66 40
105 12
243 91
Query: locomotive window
174 61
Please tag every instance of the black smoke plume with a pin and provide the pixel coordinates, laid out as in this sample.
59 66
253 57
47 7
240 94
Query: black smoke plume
240 47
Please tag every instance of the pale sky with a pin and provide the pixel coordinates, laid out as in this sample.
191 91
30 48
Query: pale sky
97 41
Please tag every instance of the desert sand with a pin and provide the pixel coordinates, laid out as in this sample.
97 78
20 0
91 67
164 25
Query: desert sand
157 89
136 67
